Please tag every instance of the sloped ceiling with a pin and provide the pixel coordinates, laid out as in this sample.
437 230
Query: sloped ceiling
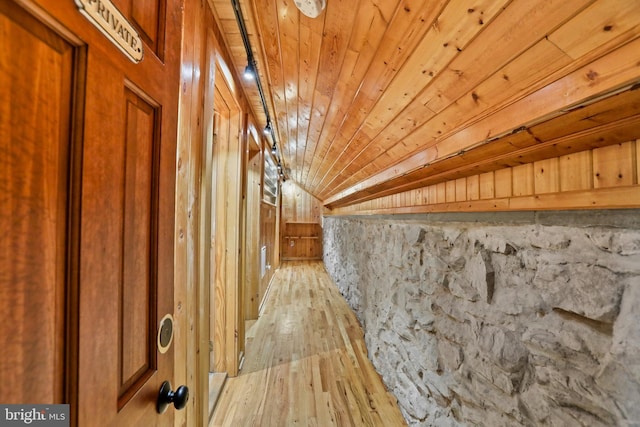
380 96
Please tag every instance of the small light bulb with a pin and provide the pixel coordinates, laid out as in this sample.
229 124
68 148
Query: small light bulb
248 72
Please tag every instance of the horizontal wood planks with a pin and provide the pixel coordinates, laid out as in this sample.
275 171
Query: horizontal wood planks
605 177
600 122
368 93
306 362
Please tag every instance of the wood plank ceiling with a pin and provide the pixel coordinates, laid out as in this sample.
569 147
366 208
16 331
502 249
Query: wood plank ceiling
375 97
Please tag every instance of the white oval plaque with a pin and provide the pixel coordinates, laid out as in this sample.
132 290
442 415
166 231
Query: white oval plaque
108 19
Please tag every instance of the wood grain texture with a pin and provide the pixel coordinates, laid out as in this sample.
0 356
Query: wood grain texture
191 138
370 95
301 227
269 239
227 306
35 200
298 205
306 362
72 88
139 285
251 259
613 166
603 178
301 240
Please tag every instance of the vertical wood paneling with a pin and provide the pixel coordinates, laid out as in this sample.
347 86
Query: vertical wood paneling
487 186
461 189
450 191
637 163
396 199
191 295
576 171
432 194
425 195
252 247
219 296
503 183
613 165
523 183
268 239
417 196
546 176
301 218
298 205
228 307
441 192
473 187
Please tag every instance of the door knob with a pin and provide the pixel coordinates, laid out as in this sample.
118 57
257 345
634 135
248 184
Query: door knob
166 396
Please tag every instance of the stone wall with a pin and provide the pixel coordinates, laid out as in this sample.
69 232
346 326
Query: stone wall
533 319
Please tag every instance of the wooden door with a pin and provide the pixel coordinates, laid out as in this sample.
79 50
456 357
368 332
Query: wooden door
87 170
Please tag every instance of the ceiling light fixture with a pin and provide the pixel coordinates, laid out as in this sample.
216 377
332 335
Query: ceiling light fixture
274 149
311 8
267 128
249 73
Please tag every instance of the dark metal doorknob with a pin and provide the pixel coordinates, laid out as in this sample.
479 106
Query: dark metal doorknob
166 396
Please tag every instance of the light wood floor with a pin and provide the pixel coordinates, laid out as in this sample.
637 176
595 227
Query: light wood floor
306 362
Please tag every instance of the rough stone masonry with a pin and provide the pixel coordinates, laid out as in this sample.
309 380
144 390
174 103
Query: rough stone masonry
527 321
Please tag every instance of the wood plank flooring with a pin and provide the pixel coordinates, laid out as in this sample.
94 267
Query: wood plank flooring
306 362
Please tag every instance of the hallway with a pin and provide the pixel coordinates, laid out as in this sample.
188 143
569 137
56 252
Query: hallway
306 361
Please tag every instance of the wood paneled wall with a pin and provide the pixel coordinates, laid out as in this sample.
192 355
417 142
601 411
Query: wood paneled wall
251 274
205 166
268 240
302 240
301 223
298 205
601 178
196 19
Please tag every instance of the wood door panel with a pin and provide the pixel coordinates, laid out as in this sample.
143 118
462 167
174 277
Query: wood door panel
126 289
87 173
148 18
34 155
138 285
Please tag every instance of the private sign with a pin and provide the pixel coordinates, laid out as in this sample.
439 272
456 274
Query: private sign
107 18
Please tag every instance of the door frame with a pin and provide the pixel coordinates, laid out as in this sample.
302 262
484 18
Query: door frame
226 311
